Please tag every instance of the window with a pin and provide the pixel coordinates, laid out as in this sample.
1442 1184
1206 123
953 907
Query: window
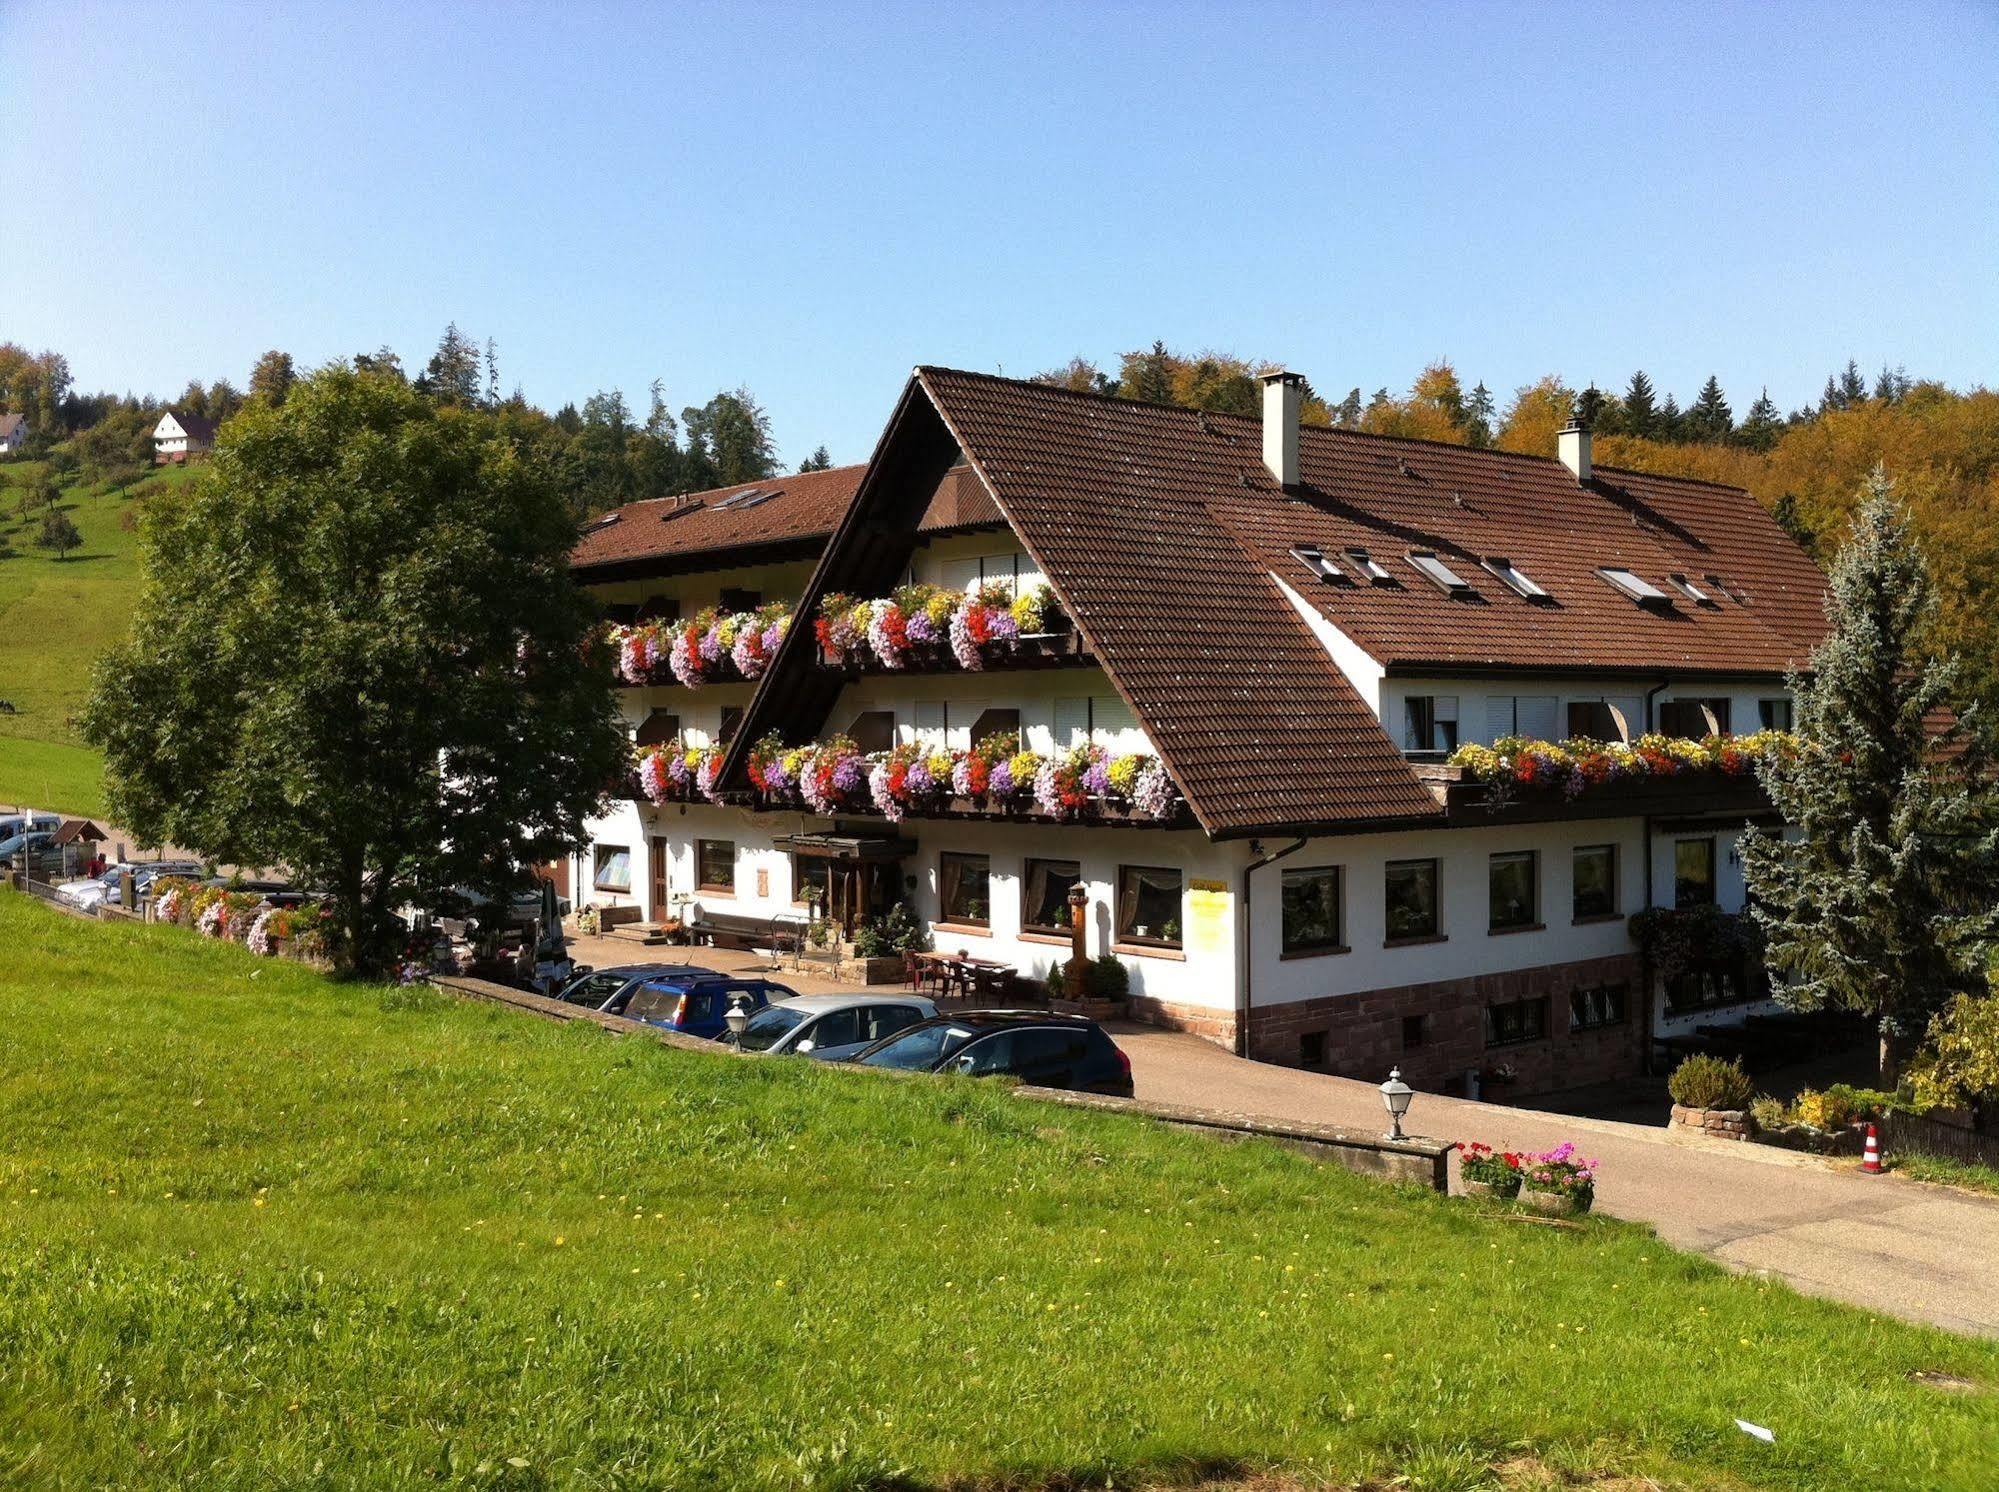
1533 716
1312 908
1597 1006
1517 580
1311 1048
736 600
1691 591
659 608
1710 985
1693 718
1044 894
1369 569
1516 1021
1411 891
1593 882
964 888
1598 720
1148 905
612 867
1734 593
1512 890
624 613
1415 1029
1315 561
1637 587
1440 574
995 723
1693 873
811 881
1430 722
933 722
661 728
1072 723
835 1028
873 730
1774 714
715 864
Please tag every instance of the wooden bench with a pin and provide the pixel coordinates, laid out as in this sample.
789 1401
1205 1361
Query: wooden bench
731 929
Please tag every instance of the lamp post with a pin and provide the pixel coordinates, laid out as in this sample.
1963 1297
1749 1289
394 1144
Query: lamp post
737 1018
1395 1094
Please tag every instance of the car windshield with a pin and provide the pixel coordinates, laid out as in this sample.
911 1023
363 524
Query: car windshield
921 1047
768 1026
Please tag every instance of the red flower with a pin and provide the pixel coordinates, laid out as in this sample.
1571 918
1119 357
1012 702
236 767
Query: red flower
823 632
978 623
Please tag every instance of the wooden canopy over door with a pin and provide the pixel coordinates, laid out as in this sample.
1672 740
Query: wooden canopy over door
863 872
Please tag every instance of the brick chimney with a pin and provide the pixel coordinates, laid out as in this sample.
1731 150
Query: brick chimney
1283 402
1572 447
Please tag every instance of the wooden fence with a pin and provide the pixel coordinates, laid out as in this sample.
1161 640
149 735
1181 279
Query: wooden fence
1905 1133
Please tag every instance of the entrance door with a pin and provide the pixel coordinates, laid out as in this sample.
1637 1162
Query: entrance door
657 858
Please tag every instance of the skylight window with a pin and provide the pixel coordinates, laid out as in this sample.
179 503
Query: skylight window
1369 568
1447 580
605 522
749 497
1636 587
1315 560
1691 591
1734 593
1516 579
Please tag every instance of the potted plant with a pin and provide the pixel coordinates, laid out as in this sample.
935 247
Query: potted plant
1496 1083
1487 1172
1557 1183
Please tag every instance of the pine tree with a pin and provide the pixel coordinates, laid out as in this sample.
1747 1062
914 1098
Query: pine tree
1148 375
820 460
1832 399
1641 408
452 376
1710 418
1852 386
1589 406
1891 385
272 378
1346 414
1671 424
1888 901
1480 410
1763 424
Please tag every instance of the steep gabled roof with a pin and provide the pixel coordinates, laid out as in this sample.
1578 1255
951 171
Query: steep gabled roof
795 517
197 427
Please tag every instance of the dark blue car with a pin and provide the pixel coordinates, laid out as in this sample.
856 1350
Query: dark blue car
605 988
696 1003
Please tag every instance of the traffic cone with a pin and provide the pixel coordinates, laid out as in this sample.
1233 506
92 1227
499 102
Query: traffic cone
1870 1163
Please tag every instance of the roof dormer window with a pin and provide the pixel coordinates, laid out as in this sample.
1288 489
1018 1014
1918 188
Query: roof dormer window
1636 587
1517 580
1368 568
1442 575
1315 560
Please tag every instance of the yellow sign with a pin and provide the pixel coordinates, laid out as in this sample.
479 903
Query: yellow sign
1208 911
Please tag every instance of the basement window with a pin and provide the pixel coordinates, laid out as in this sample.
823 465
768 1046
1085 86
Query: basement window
1691 591
1315 560
1369 568
1517 580
1442 575
1636 587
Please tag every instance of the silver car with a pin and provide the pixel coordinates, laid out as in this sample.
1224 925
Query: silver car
830 1027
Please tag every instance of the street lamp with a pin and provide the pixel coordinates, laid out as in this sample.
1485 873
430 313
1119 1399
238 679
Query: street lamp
1396 1095
737 1018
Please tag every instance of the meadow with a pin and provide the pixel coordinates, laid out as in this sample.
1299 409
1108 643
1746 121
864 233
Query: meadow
261 1228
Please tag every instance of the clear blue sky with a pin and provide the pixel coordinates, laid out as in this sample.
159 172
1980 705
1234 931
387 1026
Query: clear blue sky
809 200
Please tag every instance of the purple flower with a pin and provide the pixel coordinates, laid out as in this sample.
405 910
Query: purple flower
711 644
919 778
1097 777
919 627
1001 784
849 772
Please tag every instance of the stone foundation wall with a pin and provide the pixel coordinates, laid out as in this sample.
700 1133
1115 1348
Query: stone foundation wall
1364 1035
1719 1124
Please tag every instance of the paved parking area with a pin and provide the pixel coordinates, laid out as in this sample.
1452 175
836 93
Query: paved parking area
1923 1252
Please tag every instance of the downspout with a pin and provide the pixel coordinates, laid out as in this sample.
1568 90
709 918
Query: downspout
1646 996
1245 940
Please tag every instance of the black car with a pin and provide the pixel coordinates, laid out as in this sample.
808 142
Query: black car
1049 1051
605 988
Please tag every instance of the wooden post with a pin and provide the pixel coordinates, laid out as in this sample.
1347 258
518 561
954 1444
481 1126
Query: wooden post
1073 986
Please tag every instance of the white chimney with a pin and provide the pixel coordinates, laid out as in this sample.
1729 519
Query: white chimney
1283 403
1572 446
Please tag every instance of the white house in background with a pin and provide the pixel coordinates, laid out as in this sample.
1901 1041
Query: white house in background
180 437
1298 624
13 433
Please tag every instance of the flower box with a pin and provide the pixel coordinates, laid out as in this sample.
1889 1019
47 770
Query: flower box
1570 1203
1502 1191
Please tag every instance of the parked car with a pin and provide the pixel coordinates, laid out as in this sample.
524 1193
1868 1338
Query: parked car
831 1028
23 823
697 1004
1050 1051
30 841
144 876
601 988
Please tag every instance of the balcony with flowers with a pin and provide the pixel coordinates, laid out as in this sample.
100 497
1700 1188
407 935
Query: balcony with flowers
710 647
928 629
1524 777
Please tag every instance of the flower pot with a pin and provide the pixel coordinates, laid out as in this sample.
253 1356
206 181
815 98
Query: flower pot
1558 1204
1502 1191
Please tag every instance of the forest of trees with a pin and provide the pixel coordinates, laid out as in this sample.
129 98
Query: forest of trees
604 453
1939 445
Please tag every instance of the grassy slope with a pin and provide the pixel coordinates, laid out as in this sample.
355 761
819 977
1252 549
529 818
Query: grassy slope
260 1229
56 616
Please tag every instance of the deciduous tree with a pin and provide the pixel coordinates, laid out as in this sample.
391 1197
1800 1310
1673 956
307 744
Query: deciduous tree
358 653
58 533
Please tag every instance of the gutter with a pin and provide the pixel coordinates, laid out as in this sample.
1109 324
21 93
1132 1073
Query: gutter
1245 950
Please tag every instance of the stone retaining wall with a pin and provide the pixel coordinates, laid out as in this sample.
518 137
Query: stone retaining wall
1721 1124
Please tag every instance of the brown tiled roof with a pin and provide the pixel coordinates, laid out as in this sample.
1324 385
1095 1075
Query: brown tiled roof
199 428
805 506
1116 501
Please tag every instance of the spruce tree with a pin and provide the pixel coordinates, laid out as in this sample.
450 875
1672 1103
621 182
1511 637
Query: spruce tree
1852 386
1887 901
1762 425
1710 418
1480 409
1671 424
1641 407
1346 414
820 460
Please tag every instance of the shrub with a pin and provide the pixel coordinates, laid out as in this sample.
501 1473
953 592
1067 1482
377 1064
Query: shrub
1705 1082
1107 978
897 932
1960 1058
1768 1112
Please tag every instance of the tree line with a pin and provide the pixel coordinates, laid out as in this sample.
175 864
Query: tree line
602 454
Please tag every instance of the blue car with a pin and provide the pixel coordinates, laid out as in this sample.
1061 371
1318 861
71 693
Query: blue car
39 839
603 988
696 1004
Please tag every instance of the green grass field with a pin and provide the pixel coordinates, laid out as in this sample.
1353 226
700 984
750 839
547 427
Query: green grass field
56 616
261 1229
